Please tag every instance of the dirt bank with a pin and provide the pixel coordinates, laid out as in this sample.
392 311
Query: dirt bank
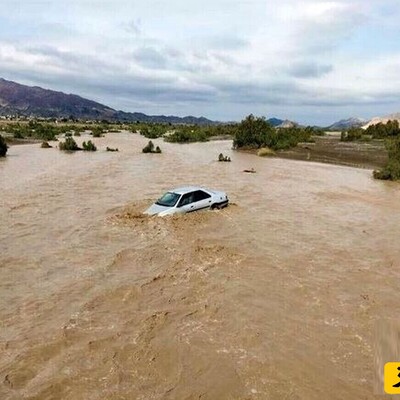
329 149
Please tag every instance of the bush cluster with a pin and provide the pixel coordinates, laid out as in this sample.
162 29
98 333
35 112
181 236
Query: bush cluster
196 133
69 145
187 134
392 170
382 131
378 131
89 146
255 132
352 135
153 131
97 131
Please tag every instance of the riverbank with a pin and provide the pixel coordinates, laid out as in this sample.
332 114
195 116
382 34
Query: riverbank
330 149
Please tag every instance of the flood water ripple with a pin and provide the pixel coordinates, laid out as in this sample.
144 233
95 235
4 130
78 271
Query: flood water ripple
275 297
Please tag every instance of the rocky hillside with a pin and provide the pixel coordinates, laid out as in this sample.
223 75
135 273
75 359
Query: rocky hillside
347 123
17 99
383 120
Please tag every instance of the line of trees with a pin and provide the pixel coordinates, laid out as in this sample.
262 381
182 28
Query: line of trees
255 133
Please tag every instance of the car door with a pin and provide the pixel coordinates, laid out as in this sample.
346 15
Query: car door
202 200
186 203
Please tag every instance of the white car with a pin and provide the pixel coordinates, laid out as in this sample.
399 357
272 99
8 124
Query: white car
187 199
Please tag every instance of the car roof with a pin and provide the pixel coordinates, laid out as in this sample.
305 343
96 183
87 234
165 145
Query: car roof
187 189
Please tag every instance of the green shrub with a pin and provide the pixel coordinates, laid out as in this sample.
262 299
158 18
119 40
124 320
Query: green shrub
352 135
392 170
111 149
69 145
157 150
18 135
97 131
68 134
187 134
3 147
153 131
89 146
45 145
77 134
381 131
252 132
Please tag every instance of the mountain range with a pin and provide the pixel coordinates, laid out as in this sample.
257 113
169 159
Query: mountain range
34 101
22 100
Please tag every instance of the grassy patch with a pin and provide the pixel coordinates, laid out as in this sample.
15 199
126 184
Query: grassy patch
265 152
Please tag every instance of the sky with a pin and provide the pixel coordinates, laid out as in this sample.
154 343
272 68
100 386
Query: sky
313 62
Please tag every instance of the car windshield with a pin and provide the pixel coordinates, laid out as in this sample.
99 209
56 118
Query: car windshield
168 200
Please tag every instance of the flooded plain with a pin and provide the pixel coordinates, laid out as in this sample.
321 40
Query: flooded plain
275 297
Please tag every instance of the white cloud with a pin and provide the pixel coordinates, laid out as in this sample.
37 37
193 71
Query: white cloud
218 58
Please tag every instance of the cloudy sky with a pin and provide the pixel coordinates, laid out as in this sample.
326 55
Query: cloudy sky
310 61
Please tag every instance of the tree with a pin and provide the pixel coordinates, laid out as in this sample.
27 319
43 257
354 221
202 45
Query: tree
392 170
252 132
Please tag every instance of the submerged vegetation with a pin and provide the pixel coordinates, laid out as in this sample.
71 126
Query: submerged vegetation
254 133
223 158
153 131
196 133
3 147
69 145
149 148
89 146
50 130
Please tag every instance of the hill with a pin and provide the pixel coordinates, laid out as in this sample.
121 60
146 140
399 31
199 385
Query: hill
383 120
275 121
353 122
22 100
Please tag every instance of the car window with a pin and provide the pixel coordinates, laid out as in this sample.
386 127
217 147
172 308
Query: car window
200 195
168 200
186 199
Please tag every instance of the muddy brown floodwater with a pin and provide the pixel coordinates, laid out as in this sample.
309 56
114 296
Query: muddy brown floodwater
275 297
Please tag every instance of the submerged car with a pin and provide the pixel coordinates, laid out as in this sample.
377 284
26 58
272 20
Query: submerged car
188 199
